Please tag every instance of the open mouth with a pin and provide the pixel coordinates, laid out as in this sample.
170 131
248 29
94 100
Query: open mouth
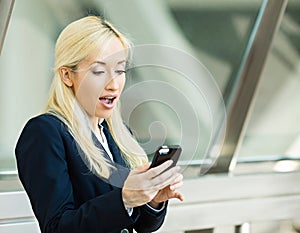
107 100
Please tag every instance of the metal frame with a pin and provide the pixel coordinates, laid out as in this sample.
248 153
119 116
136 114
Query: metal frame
241 98
6 7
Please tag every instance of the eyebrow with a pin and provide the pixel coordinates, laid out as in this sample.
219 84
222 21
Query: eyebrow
103 63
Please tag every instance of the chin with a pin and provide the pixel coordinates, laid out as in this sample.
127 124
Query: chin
104 115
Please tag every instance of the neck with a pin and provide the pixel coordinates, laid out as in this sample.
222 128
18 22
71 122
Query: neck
95 122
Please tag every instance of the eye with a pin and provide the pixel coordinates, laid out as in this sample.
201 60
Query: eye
120 72
98 72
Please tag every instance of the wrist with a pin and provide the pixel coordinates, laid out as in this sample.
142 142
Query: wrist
156 205
125 203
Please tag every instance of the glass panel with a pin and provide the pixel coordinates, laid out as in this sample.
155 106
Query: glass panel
273 130
218 31
25 71
214 32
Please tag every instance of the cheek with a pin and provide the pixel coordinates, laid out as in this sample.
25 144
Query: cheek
122 83
88 92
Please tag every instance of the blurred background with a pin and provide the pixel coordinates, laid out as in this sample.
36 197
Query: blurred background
234 106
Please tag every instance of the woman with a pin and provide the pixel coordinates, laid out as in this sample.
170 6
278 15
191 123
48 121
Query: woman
81 168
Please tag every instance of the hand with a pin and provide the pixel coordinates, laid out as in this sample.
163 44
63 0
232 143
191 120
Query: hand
143 184
168 193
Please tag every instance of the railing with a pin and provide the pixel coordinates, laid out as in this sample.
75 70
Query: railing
210 201
221 200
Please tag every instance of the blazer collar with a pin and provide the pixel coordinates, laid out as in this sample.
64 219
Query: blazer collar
120 171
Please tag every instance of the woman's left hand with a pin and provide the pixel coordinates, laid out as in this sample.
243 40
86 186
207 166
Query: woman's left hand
168 193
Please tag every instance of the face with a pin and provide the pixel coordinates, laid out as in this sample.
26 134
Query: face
99 80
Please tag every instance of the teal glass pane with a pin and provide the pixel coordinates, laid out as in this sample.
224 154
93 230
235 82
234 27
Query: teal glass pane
273 131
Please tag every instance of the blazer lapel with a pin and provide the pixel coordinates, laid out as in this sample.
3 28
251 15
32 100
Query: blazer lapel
120 171
112 145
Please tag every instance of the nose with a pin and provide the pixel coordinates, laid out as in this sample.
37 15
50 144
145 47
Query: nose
112 83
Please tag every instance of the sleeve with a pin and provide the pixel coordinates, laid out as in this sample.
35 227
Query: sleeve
157 210
148 216
43 171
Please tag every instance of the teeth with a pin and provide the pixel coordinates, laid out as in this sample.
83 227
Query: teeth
107 100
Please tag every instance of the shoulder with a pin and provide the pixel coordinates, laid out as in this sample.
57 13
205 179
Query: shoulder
45 119
43 127
46 123
42 134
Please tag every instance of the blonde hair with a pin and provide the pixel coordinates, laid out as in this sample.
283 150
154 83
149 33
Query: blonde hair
75 43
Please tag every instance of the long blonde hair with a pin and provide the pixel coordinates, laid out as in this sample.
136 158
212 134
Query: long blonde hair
75 43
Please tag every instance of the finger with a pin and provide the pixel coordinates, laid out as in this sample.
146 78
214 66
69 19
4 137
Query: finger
159 169
170 176
141 169
179 179
178 196
163 181
176 186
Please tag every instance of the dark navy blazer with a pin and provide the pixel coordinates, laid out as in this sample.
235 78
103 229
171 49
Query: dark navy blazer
65 196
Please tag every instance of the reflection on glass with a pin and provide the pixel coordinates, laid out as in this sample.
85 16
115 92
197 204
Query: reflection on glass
219 32
25 71
274 128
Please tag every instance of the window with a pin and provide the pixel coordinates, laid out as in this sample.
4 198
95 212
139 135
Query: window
273 130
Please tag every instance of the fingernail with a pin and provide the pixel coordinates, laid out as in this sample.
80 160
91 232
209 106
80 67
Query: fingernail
170 162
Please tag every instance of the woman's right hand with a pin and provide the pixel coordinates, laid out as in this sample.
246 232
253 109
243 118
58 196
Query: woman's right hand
143 184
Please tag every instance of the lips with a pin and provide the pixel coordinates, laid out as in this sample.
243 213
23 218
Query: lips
107 101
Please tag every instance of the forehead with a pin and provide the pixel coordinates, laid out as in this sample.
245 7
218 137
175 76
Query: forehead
111 52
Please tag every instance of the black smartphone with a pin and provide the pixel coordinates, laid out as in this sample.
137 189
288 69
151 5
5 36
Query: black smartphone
164 153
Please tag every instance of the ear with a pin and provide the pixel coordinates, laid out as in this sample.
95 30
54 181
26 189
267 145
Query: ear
65 75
